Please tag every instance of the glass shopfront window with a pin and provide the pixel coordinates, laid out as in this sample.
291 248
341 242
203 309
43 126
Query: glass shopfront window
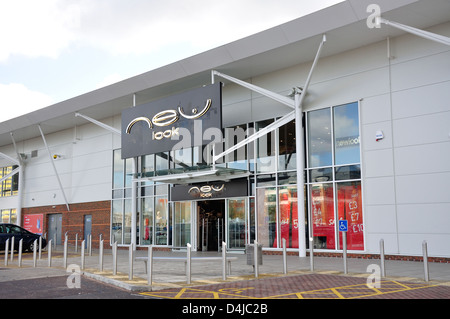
9 216
234 135
10 186
161 163
346 134
182 159
277 216
350 208
118 171
117 221
287 197
334 176
147 166
127 223
182 224
322 216
237 223
287 156
265 160
161 221
319 138
152 220
266 201
146 225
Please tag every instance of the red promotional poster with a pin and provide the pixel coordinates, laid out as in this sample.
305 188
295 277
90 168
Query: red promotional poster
350 208
34 223
289 217
323 216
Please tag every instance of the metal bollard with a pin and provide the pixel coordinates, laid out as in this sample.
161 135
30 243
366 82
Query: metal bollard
50 253
76 242
150 266
65 252
35 253
344 251
130 262
224 261
382 260
40 247
12 248
20 252
100 256
114 255
255 254
82 253
284 257
90 244
311 254
188 264
6 251
425 261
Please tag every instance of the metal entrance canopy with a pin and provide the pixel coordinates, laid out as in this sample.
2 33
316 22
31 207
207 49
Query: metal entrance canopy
195 174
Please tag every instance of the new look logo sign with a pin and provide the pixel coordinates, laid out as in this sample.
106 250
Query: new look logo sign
160 125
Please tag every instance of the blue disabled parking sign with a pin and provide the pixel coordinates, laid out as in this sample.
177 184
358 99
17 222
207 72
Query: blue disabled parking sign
343 225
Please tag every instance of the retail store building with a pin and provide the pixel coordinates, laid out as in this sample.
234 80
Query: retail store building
137 162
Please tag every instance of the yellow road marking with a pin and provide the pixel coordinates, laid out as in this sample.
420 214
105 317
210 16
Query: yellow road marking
180 293
343 292
337 293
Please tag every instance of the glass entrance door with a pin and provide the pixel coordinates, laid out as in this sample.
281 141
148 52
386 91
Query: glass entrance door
210 224
237 226
182 224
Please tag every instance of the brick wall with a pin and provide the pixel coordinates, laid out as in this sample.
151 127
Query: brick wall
73 220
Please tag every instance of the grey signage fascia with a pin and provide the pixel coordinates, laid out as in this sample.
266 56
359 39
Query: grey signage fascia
210 190
159 126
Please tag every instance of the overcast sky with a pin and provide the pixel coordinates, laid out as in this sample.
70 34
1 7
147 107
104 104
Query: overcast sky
53 50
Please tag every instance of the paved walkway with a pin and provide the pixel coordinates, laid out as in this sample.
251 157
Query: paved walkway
170 281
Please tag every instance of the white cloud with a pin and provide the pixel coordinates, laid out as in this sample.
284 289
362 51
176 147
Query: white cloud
47 27
16 100
36 28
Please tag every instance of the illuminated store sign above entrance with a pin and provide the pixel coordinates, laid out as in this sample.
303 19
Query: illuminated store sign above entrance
211 190
171 123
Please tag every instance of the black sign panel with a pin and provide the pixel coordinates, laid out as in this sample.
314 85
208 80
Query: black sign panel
175 122
209 190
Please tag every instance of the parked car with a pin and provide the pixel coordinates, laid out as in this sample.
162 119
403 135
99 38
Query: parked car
8 231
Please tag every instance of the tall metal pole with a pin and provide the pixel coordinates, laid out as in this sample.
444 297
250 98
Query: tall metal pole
300 179
134 195
299 98
54 168
21 164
